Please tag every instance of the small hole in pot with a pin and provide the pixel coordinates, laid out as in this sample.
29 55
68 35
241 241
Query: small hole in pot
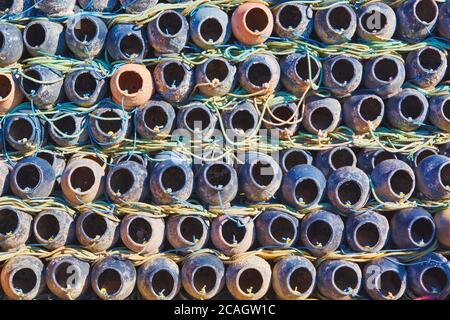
302 68
65 124
211 30
422 231
173 74
319 233
47 227
342 158
339 18
140 230
204 278
28 177
382 156
349 193
109 281
94 226
385 69
35 35
122 181
162 282
263 173
216 69
85 85
290 17
20 129
130 82
191 229
306 191
295 158
155 116
63 275
218 175
284 113
426 10
250 281
423 154
345 278
29 85
197 118
411 107
109 122
82 178
233 233
243 120
321 118
445 175
301 280
401 183
5 86
446 110
390 283
173 178
6 4
8 221
24 280
367 235
434 279
282 229
373 25
430 59
343 71
259 74
47 156
131 46
256 20
371 109
170 23
85 30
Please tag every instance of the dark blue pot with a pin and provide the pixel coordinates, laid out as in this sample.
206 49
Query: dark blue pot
197 120
295 73
174 80
259 72
368 159
416 19
439 114
292 157
127 182
445 149
24 131
335 25
292 20
367 231
339 279
168 32
321 115
280 113
384 75
127 42
209 27
241 121
328 161
215 77
433 177
12 48
85 87
276 229
426 66
342 75
42 37
67 129
376 28
108 124
363 112
418 156
56 160
154 120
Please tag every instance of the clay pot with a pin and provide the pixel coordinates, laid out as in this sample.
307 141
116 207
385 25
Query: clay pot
363 112
84 87
54 229
198 119
137 6
141 233
339 279
259 72
442 222
445 149
328 161
276 229
284 119
439 114
168 32
292 157
297 70
368 159
187 233
15 228
174 80
95 232
12 48
419 156
209 27
56 8
43 37
215 77
415 19
136 157
15 7
24 131
127 42
342 75
292 20
68 129
426 66
97 5
376 22
5 173
232 234
241 121
433 177
10 93
366 231
252 23
127 182
444 20
321 115
384 75
57 161
154 119
102 161
335 25
131 85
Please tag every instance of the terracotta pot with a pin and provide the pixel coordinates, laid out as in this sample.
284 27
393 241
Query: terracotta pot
95 232
98 5
291 112
137 6
240 121
126 41
5 173
433 177
187 233
416 19
384 75
426 67
56 8
342 75
56 160
295 72
10 93
142 234
440 112
15 228
252 23
54 229
407 110
154 119
24 132
259 73
292 157
85 87
368 159
197 119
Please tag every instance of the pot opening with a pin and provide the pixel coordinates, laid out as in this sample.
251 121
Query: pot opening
21 129
382 156
243 120
163 282
343 71
110 281
385 69
47 156
250 281
373 25
434 279
430 59
426 10
283 112
422 231
423 154
216 69
204 279
211 30
446 110
94 226
122 181
319 233
302 68
191 229
65 124
28 177
300 280
290 17
339 18
342 158
30 86
349 193
35 35
401 183
232 232
390 283
24 280
444 175
131 46
140 231
109 123
9 221
218 175
6 4
85 30
63 275
173 178
367 235
294 158
263 173
321 118
283 230
85 85
256 20
82 179
47 227
306 191
371 109
198 119
411 107
130 82
5 86
345 279
259 74
174 74
155 116
170 23
2 40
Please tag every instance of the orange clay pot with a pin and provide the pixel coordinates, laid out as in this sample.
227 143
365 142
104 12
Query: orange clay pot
252 23
131 85
10 93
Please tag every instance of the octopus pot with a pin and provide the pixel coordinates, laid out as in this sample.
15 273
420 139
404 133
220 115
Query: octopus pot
439 114
113 278
384 75
445 149
298 70
342 75
241 121
215 77
32 177
363 112
54 229
5 173
137 6
393 181
303 186
376 22
329 160
426 67
127 181
433 177
321 116
187 233
22 277
24 131
44 37
293 278
68 129
95 232
232 234
15 228
348 189
42 85
444 20
209 27
429 275
385 279
56 8
154 119
10 93
321 232
85 35
12 48
368 159
98 5
339 279
159 279
197 119
125 41
419 156
442 222
168 32
82 181
15 7
131 85
335 25
276 228
259 178
141 233
292 157
203 276
84 87
259 73
252 23
67 277
249 278
174 80
108 124
367 231
292 20
135 157
283 119
416 19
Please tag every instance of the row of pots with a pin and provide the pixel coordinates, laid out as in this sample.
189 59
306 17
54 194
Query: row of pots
204 276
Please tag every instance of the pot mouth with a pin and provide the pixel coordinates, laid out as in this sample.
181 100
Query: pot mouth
64 123
430 59
21 129
30 81
445 109
173 179
256 20
422 231
170 23
262 173
307 191
85 85
121 181
412 108
130 83
163 283
283 230
174 74
140 231
367 235
371 109
23 280
6 4
6 87
28 177
48 156
342 157
197 119
82 179
204 279
35 34
321 119
422 154
9 222
319 233
302 68
259 74
94 226
47 228
109 122
349 193
401 183
373 21
289 17
284 113
131 46
300 281
217 69
218 176
62 275
192 229
444 175
381 156
155 116
343 71
243 120
250 281
339 18
109 282
233 232
345 280
434 279
426 11
293 158
385 69
85 30
390 284
211 30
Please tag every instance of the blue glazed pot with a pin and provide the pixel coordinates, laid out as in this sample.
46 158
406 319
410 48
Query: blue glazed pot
259 72
24 131
339 279
342 75
321 116
241 121
376 22
127 181
335 25
137 6
174 80
197 119
303 186
108 124
384 75
154 120
444 20
433 177
56 8
42 37
328 161
232 234
16 228
54 229
98 5
12 48
292 157
368 159
292 20
366 231
209 27
363 112
440 112
426 66
276 228
416 19
187 233
295 72
85 87
67 129
419 156
127 42
168 32
215 77
283 119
